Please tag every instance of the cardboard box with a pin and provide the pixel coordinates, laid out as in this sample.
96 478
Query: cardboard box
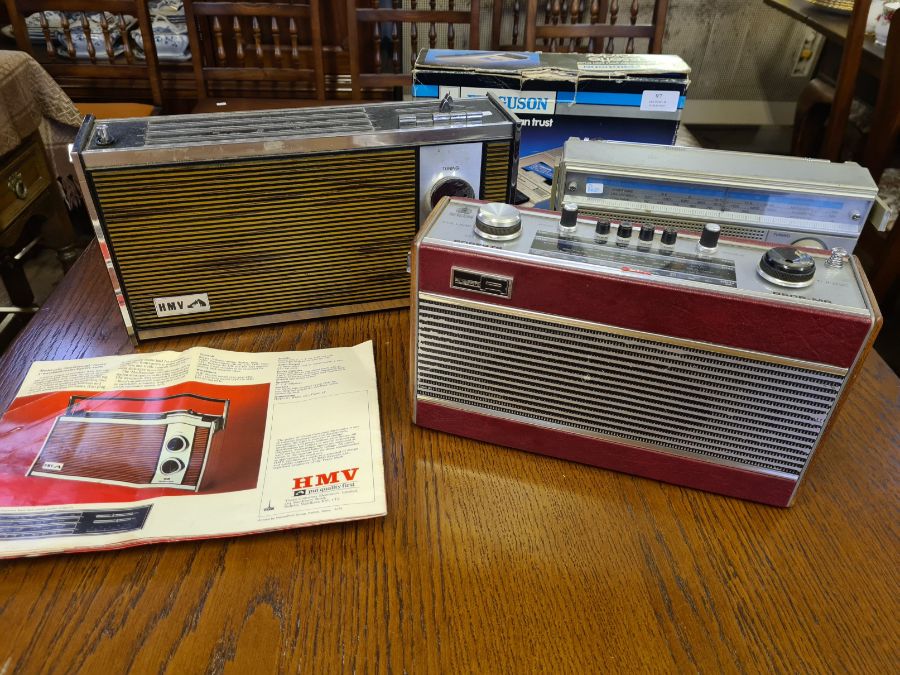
621 97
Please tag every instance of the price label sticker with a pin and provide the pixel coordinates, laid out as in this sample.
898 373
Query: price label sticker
659 101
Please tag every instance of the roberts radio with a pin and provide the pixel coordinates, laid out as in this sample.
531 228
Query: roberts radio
711 364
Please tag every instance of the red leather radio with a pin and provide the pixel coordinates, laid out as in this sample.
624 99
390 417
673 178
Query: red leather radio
711 364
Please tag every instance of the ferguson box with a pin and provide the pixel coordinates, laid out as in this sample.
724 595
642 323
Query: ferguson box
621 97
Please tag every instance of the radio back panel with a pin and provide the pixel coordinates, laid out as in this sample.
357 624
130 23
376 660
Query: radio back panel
639 356
234 219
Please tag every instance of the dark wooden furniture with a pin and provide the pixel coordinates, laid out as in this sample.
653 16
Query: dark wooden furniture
880 148
99 65
249 47
825 104
580 26
376 60
32 210
489 560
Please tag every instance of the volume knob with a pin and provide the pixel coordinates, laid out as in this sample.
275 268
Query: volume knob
498 222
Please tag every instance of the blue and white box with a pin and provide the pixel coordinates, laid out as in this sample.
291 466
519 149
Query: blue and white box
620 97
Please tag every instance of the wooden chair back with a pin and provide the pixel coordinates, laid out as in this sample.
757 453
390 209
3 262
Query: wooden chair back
93 64
579 25
241 48
375 51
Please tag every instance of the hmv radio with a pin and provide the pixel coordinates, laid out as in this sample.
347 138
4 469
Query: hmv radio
779 200
137 442
703 362
235 219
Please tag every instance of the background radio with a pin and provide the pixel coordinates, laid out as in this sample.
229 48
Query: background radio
235 219
780 200
137 442
690 359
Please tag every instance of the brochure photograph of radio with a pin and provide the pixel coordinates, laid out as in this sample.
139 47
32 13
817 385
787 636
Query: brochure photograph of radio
140 442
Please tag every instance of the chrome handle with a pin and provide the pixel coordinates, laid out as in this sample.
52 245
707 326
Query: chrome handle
17 185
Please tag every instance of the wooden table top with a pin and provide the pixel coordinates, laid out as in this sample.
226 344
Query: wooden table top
489 559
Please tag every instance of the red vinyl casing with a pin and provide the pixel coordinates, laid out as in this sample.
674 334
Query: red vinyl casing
812 334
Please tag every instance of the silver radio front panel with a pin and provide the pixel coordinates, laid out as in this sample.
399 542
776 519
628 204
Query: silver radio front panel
782 200
732 268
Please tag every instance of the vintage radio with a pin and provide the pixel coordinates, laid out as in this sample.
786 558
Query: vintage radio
781 200
236 219
138 442
711 364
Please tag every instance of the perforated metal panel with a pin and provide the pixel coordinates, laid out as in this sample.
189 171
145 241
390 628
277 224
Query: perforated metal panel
661 221
544 370
256 125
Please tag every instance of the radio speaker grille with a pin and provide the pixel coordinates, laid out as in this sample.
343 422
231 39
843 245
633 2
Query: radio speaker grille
713 406
496 172
262 236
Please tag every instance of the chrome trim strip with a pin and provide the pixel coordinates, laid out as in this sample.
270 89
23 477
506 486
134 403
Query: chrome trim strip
283 317
80 173
257 149
587 325
604 437
857 272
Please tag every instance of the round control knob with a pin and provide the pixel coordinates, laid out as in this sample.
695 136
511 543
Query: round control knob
451 186
602 228
786 266
568 218
624 231
176 443
498 222
709 238
171 466
669 236
810 242
647 233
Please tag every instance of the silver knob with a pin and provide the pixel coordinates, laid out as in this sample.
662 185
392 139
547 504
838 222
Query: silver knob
103 136
838 256
498 222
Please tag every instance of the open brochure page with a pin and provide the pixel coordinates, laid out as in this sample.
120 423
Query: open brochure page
126 450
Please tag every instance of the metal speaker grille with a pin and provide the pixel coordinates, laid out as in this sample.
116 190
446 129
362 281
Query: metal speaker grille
42 524
262 236
496 172
754 233
717 407
294 123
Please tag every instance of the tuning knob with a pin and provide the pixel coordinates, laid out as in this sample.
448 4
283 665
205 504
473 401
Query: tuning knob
786 266
709 238
498 222
449 186
568 219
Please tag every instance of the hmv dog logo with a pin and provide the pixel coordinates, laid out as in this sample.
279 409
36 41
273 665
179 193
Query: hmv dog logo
177 305
334 480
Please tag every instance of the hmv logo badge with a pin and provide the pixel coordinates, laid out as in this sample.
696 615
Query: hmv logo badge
177 305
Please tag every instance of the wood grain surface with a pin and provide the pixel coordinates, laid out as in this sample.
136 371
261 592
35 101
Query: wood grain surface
489 559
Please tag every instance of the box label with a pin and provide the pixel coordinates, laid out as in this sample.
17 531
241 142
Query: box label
177 305
659 101
528 102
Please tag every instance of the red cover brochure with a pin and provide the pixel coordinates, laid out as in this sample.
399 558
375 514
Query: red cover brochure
101 453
